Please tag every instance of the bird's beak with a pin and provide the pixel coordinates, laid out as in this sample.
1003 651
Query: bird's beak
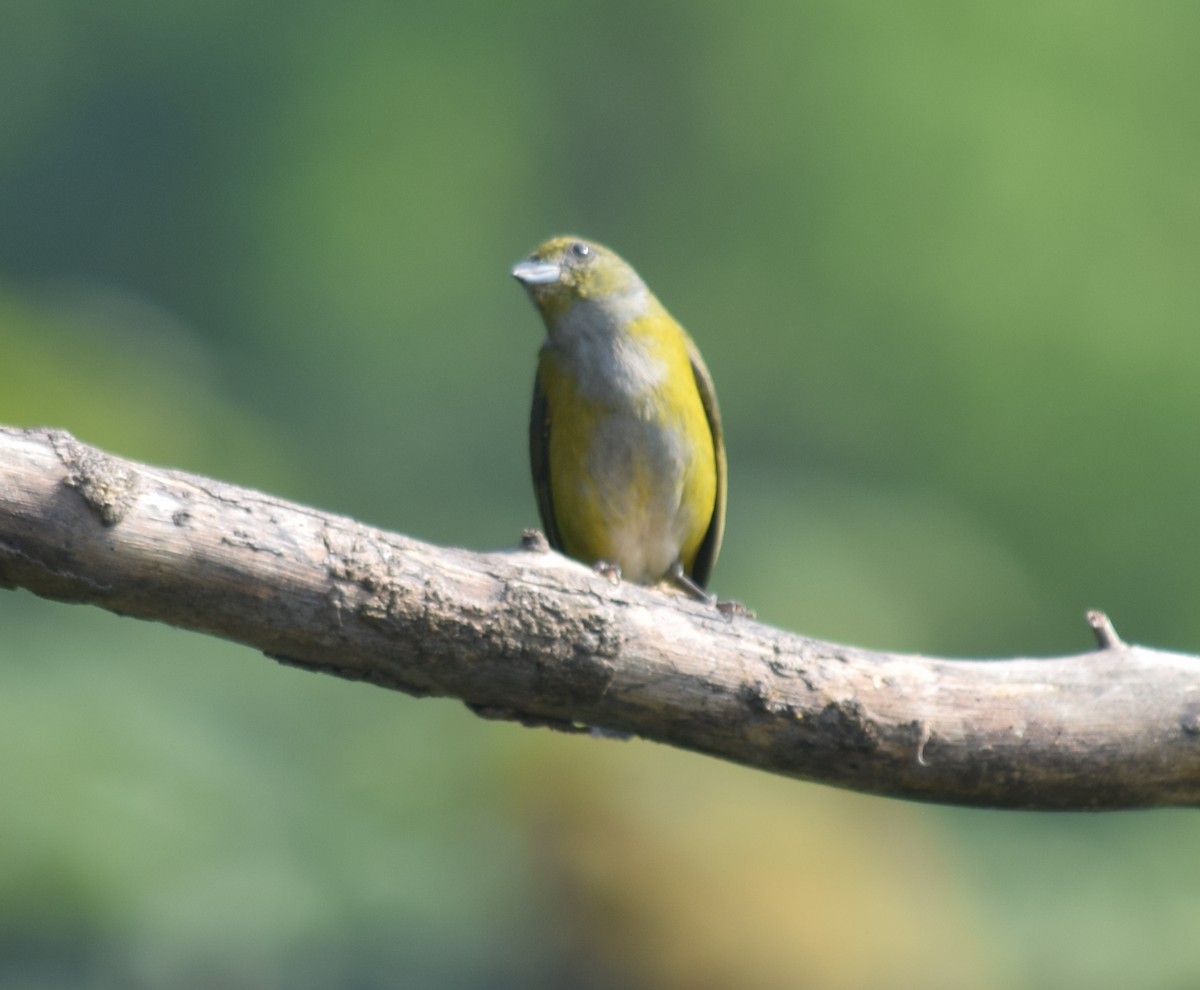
534 272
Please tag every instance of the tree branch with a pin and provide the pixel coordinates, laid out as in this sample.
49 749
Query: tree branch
530 636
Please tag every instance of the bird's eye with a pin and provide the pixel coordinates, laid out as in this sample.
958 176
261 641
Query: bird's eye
580 250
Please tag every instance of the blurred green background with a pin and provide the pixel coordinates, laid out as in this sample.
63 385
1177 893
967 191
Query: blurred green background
942 262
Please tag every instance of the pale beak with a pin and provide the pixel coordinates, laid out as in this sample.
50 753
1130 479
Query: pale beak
534 272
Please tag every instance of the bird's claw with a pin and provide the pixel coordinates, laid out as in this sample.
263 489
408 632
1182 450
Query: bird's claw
734 610
608 570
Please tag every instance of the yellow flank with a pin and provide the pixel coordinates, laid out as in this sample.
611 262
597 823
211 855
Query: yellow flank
625 438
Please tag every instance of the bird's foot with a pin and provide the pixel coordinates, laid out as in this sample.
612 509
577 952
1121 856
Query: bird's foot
681 578
729 609
735 610
608 570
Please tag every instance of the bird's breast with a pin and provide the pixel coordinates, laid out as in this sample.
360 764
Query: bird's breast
632 474
608 366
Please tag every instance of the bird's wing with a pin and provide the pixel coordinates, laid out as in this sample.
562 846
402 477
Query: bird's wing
706 555
539 461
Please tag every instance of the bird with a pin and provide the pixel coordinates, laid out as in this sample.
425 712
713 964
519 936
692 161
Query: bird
625 439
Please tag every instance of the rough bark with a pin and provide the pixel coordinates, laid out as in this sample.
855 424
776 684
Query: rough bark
527 635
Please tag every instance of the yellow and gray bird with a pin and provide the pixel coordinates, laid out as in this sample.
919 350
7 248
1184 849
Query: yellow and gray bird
624 437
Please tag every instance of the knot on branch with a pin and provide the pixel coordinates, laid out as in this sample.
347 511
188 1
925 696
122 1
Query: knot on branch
107 485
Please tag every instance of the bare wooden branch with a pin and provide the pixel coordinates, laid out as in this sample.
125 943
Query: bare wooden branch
528 635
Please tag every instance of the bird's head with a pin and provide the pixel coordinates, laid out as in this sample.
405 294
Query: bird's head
566 270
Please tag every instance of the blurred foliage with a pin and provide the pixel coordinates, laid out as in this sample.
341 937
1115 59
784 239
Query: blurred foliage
942 262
